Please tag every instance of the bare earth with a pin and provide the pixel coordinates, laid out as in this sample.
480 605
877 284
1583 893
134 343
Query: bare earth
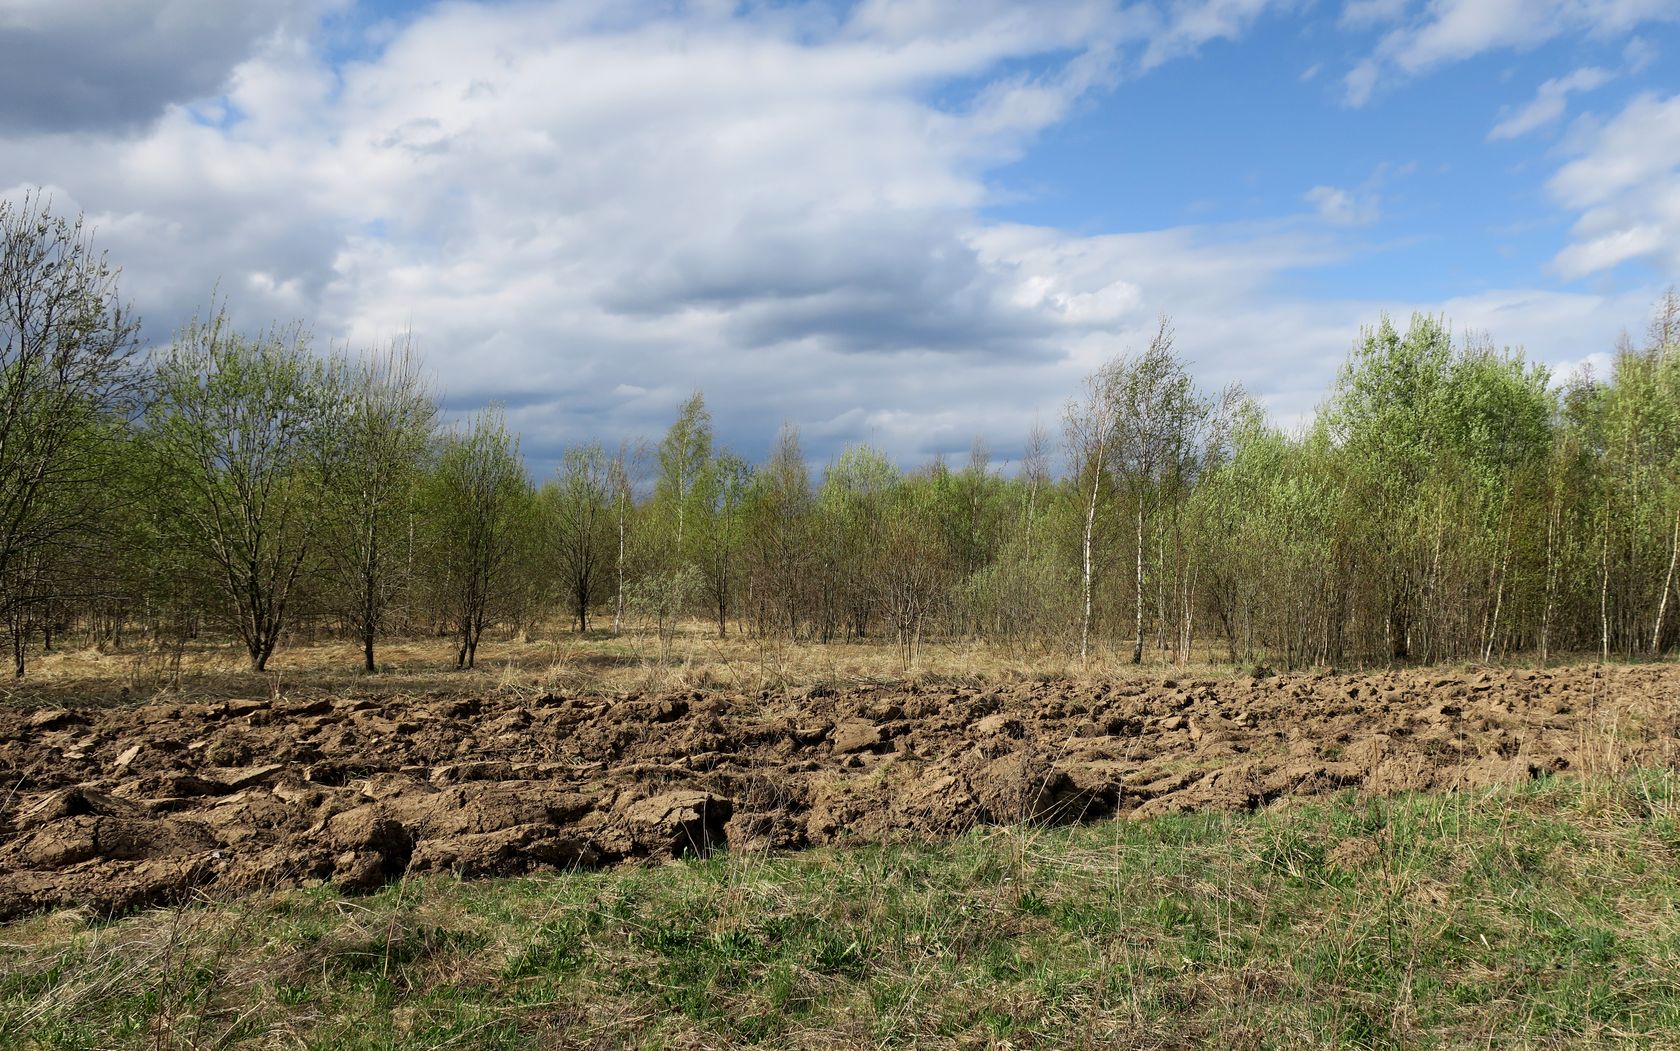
114 808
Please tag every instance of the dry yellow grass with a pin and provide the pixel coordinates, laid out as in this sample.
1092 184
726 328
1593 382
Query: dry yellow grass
552 660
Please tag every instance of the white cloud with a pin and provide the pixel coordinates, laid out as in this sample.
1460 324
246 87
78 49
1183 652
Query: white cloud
1609 249
1362 14
1639 54
1447 31
1339 206
1624 179
1189 24
1549 103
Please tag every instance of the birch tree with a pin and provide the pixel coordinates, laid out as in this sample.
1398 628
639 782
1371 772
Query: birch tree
1158 419
1088 425
683 456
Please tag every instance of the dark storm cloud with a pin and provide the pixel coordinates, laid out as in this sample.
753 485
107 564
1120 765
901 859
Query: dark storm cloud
859 284
89 65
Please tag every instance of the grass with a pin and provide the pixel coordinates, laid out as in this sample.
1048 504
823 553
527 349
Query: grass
554 659
1544 915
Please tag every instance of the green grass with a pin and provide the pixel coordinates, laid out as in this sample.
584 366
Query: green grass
1546 915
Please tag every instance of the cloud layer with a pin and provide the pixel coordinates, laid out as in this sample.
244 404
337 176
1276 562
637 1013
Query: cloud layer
587 209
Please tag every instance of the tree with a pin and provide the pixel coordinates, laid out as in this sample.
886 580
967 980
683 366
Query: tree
477 499
684 456
722 495
1020 596
853 507
1035 479
627 469
1381 417
780 527
68 381
1158 422
579 504
915 571
1264 513
1491 442
1629 428
241 428
381 447
1088 425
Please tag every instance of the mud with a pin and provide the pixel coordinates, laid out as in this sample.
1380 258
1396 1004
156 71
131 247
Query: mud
111 809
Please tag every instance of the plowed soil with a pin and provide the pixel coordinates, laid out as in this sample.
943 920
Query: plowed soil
114 808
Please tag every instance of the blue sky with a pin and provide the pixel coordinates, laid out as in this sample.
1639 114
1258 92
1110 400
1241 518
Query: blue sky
1240 133
908 223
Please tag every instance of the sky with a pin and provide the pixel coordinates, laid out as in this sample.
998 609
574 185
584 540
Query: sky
904 223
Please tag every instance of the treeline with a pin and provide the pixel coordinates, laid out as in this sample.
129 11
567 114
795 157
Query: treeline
1448 501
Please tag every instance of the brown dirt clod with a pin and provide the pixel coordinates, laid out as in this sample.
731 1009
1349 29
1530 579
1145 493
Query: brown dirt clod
114 808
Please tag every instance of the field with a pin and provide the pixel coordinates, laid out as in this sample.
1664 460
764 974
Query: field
823 853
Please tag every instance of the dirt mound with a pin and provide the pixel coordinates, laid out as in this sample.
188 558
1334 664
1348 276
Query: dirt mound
111 809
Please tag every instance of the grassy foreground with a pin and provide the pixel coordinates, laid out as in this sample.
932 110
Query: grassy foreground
1536 916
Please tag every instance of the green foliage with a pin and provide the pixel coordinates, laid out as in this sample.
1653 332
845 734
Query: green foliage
577 508
679 496
478 505
780 524
68 385
662 598
241 432
380 444
721 497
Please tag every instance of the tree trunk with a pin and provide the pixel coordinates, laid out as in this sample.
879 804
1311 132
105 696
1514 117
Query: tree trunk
475 627
371 599
1137 644
1225 608
1188 623
1399 622
270 640
618 605
254 649
1668 585
1498 601
1090 528
1604 595
1551 582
